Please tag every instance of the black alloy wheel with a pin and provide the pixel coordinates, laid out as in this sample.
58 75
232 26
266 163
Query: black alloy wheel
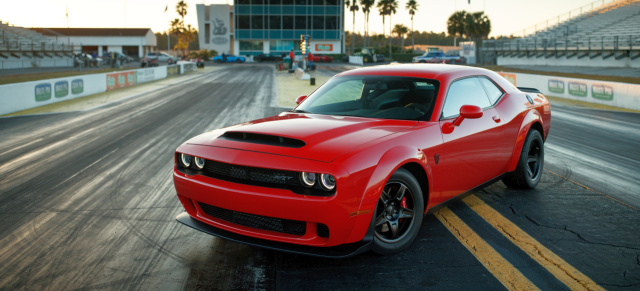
530 165
398 213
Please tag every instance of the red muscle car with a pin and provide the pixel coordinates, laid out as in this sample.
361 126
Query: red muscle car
356 165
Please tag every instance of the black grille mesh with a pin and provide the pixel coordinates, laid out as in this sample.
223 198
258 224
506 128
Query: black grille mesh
293 227
225 171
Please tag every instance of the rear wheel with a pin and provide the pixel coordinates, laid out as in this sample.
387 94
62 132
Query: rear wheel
529 169
398 213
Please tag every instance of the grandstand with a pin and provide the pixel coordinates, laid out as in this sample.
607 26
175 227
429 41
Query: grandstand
24 48
604 36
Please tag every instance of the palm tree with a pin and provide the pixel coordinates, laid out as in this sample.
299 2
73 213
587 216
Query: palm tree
353 7
366 9
392 8
456 24
477 27
181 8
400 30
412 6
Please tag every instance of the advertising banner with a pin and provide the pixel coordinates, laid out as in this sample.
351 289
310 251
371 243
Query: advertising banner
593 91
120 80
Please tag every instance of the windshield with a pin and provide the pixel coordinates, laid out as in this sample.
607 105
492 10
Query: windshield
387 97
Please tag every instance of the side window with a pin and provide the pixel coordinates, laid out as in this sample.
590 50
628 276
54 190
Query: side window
493 92
467 91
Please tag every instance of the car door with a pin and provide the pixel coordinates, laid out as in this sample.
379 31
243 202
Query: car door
476 150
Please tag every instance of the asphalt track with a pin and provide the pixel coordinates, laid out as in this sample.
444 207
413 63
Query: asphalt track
87 202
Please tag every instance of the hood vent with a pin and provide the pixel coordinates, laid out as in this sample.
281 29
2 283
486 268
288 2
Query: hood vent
263 139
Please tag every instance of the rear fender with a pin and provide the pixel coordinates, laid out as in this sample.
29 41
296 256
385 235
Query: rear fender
391 161
532 117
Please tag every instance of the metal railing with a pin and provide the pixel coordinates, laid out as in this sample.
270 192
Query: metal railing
594 43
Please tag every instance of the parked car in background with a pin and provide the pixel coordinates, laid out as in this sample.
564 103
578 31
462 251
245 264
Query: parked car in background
369 55
359 161
229 59
267 58
162 57
321 59
438 57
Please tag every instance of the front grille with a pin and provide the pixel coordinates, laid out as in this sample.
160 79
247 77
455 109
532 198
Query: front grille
293 227
252 175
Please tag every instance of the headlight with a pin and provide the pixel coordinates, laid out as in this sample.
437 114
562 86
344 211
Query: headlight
186 160
199 163
308 179
328 182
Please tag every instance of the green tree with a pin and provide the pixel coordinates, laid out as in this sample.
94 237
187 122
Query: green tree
412 6
477 27
456 24
393 9
400 30
353 7
181 8
366 9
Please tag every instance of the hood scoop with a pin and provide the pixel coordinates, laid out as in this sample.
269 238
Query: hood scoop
265 139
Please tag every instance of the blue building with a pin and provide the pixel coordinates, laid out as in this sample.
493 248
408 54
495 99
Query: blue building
252 27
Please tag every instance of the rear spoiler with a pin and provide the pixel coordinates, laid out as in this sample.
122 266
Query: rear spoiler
529 90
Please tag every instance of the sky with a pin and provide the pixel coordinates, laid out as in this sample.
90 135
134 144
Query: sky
507 16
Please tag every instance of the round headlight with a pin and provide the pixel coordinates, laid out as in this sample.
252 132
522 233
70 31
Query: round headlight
308 179
199 163
328 182
186 160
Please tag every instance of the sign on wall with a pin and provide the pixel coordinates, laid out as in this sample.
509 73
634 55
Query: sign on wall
121 80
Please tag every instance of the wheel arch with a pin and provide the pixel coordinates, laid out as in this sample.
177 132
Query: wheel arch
532 121
419 172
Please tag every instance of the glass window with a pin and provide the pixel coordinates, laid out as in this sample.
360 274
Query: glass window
318 2
493 91
257 22
275 2
287 2
287 22
257 2
332 2
251 45
301 2
332 22
318 22
244 2
244 21
274 22
467 91
301 22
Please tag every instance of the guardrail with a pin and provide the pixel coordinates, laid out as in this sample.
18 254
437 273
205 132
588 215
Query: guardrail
620 46
34 46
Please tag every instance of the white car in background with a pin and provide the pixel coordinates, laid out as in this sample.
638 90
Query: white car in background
163 57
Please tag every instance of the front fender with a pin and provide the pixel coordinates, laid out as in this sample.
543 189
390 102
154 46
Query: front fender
531 117
390 161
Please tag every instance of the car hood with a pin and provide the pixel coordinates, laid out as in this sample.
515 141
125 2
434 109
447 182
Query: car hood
307 136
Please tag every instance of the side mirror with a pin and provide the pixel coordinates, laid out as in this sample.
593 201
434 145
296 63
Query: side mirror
466 111
300 99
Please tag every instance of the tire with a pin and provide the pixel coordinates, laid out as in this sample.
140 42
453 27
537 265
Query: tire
398 215
219 61
530 165
238 61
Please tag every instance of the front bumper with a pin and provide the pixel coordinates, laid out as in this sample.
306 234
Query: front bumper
341 251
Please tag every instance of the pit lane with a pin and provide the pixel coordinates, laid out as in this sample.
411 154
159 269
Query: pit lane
86 201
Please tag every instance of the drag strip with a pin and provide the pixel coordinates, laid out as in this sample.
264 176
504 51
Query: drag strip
87 202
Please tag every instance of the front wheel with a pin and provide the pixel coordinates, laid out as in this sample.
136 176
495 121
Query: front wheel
530 165
398 214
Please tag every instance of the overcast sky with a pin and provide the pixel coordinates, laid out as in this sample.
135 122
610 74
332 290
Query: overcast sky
507 16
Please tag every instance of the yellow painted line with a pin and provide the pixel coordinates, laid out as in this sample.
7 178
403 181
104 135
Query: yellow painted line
562 270
506 273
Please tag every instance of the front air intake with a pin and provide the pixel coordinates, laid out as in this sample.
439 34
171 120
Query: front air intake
265 139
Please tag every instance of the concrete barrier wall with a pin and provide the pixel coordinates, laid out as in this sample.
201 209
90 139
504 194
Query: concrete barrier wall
27 95
608 93
21 96
356 60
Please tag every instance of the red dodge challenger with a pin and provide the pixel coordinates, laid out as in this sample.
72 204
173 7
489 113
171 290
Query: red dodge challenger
359 162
